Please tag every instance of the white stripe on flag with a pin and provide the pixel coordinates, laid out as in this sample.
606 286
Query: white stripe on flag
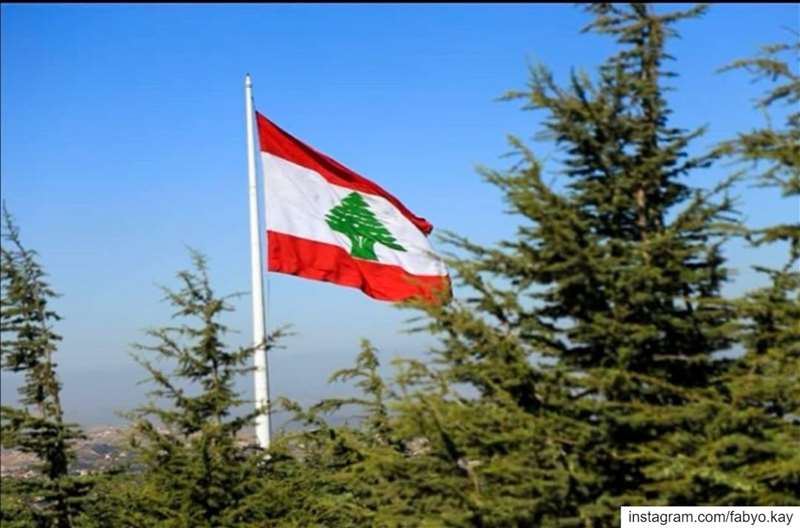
298 200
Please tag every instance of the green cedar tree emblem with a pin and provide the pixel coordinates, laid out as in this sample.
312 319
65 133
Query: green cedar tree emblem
353 218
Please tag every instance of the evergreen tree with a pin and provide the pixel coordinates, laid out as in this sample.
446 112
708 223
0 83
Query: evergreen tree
774 153
773 313
598 328
757 432
400 466
583 372
28 344
321 476
198 471
355 219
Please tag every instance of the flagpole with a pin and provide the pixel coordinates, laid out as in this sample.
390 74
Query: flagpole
261 371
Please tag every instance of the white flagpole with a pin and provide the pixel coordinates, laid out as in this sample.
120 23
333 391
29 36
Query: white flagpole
261 372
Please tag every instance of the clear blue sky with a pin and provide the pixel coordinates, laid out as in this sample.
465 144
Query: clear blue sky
123 141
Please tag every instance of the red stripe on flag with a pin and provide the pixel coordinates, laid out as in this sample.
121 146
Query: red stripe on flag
278 142
329 263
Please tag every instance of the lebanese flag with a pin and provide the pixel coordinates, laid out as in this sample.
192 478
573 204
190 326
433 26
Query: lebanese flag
327 223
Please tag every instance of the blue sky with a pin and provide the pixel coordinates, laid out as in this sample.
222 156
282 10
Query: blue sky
123 142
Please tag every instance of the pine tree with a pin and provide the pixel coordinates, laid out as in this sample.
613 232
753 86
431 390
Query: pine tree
324 475
354 218
400 466
583 370
29 343
758 430
198 472
774 154
598 327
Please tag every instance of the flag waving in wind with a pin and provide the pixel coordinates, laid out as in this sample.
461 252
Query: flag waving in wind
327 223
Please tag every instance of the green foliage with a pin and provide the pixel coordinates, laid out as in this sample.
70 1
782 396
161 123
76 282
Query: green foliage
54 497
197 469
762 389
113 500
604 314
774 153
590 366
16 510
